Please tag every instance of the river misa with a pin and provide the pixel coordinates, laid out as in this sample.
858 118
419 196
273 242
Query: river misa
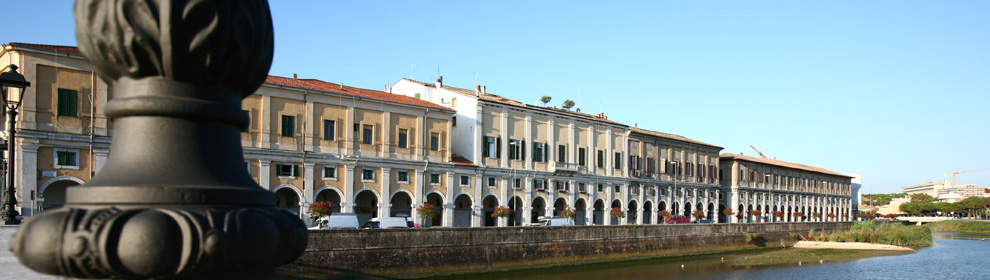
954 256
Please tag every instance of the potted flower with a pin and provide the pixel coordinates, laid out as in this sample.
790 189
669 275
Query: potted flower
698 214
830 215
798 215
617 213
728 211
740 216
756 213
778 215
427 211
815 215
319 209
663 213
501 211
568 212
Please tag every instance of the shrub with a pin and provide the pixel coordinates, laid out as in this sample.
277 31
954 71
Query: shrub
617 212
427 210
320 209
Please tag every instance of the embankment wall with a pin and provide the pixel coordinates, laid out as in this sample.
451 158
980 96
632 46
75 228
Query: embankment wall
425 251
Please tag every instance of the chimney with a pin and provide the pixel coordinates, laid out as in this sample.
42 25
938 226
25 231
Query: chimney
295 76
440 82
386 87
483 90
477 90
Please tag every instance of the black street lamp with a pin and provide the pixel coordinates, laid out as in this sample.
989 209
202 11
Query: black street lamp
12 85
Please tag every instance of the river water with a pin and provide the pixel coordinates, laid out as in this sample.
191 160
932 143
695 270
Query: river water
954 256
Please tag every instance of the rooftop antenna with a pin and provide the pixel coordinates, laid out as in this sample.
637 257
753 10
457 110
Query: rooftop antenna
476 78
412 70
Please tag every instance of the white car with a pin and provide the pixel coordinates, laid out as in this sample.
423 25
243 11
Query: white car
337 221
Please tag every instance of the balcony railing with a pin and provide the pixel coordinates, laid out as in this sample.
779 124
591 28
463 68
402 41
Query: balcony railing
565 167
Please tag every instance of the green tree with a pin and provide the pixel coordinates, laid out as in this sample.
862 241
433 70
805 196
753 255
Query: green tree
568 104
910 208
545 99
922 198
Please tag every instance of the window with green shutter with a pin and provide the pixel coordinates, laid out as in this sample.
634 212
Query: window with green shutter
67 102
66 158
288 126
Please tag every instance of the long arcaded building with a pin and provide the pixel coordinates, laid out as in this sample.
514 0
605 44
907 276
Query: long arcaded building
384 153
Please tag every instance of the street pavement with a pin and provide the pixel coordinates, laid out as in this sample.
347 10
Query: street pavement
10 267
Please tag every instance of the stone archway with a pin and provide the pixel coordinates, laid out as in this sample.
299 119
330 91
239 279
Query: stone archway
329 195
401 205
580 212
54 193
648 212
539 209
631 214
558 206
687 209
489 204
516 204
615 220
598 214
437 201
287 198
462 211
365 206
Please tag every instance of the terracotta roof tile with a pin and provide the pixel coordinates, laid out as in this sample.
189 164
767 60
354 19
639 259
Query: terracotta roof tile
318 85
670 136
54 48
459 160
782 164
503 100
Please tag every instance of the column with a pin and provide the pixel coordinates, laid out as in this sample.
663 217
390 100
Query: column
26 177
527 207
718 213
310 129
265 173
266 121
708 199
528 139
606 217
504 193
551 143
504 128
477 210
420 193
386 149
385 210
448 208
350 134
346 200
308 184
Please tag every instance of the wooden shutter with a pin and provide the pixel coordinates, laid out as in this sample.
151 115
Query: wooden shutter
484 146
498 147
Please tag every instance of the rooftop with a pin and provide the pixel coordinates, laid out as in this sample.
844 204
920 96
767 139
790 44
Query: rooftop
507 101
782 164
670 136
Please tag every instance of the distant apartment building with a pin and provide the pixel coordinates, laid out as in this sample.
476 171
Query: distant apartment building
929 188
770 185
857 191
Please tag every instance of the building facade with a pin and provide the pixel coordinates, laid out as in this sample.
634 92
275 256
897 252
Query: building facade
768 185
385 153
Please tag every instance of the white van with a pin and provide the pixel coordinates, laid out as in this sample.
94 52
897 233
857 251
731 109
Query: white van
389 222
337 221
553 222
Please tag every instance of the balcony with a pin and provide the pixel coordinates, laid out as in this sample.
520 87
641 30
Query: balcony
565 167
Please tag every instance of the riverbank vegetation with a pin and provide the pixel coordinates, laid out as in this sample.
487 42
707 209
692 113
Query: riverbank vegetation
807 256
888 233
960 226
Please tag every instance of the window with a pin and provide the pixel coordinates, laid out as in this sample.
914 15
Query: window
288 126
434 179
368 134
601 159
434 141
66 159
67 102
453 120
492 182
616 189
248 114
563 186
329 173
402 176
329 129
492 144
538 184
634 162
465 180
287 170
517 150
601 188
539 152
582 187
517 183
690 169
618 161
561 153
581 157
403 138
367 175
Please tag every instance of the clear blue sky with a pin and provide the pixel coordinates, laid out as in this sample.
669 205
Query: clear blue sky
895 90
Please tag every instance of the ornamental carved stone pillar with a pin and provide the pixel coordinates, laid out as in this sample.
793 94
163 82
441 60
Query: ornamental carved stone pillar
173 200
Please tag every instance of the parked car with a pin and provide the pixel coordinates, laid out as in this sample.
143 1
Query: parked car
337 221
552 222
704 221
389 222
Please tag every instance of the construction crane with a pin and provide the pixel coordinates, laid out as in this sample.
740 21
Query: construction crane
758 151
961 172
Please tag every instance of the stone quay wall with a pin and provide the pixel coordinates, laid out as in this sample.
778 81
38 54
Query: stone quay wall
431 251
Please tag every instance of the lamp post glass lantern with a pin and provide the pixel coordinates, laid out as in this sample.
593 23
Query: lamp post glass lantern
12 87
